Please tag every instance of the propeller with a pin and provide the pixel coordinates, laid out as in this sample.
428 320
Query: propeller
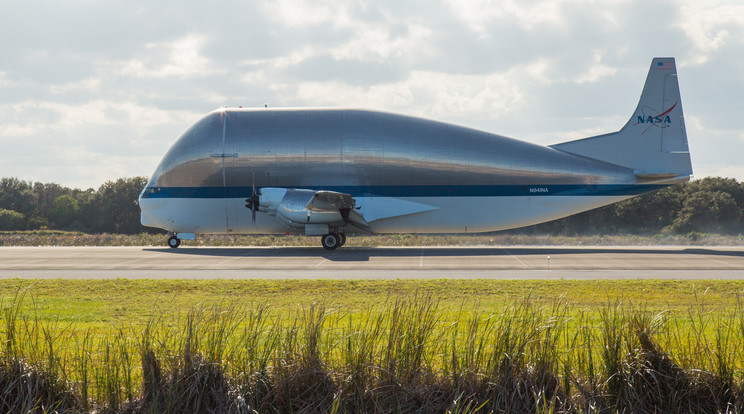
252 202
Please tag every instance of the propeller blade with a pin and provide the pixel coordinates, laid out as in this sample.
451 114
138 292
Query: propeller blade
253 212
254 197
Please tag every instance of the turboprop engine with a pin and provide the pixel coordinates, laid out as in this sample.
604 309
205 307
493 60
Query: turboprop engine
317 212
294 207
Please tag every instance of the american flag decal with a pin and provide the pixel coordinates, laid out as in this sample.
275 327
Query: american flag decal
664 65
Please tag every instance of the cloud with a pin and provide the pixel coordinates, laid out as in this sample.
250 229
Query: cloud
115 83
479 15
711 25
179 59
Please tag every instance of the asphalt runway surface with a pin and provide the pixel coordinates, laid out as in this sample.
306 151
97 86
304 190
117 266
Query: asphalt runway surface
512 262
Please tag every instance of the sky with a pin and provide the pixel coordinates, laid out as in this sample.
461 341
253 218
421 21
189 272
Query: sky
92 91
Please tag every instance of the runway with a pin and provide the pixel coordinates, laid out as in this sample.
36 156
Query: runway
512 262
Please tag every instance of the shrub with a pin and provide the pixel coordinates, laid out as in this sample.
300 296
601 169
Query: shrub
11 220
37 223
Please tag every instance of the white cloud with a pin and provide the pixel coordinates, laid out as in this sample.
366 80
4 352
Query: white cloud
100 112
89 84
307 12
596 70
4 80
180 59
479 15
719 170
13 131
376 42
711 25
427 94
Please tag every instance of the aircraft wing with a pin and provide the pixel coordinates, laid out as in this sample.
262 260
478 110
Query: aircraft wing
331 200
326 200
300 207
377 208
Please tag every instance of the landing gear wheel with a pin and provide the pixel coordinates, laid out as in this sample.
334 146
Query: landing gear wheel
174 242
343 239
330 241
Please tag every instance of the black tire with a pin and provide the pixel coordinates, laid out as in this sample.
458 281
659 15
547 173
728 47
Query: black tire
343 239
174 242
330 241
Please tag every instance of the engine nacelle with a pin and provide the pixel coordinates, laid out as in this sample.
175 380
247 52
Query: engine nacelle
290 207
269 199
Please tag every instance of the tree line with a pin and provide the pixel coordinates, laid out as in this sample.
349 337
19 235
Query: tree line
709 205
26 205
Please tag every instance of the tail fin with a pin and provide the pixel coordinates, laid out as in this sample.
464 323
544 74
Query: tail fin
653 143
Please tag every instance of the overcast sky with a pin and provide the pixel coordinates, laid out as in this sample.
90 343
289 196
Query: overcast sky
92 91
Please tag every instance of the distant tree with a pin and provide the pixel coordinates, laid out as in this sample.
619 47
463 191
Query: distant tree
116 206
651 212
88 215
718 185
17 195
64 211
45 195
708 212
11 220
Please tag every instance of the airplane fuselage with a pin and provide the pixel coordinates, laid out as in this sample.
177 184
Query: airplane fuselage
452 179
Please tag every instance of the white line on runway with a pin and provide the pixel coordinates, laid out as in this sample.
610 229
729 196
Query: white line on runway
324 260
226 261
721 262
515 258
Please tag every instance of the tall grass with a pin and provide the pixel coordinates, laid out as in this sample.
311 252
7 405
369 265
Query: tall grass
407 355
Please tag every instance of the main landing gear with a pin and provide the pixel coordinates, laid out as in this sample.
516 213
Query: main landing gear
332 241
174 242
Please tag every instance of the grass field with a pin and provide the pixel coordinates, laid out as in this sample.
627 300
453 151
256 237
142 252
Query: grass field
371 346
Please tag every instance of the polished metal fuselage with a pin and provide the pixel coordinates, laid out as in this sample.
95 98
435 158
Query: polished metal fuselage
466 175
308 148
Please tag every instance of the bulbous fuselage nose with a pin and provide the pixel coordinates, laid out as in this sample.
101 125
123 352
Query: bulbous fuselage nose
152 213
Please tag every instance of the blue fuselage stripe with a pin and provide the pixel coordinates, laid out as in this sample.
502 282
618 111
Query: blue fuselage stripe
422 191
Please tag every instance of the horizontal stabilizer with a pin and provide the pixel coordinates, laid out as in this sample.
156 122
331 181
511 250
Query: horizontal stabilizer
654 141
655 176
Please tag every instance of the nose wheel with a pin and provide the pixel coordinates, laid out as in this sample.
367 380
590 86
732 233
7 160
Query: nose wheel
174 242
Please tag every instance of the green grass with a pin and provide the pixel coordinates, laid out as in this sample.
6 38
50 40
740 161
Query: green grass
384 346
128 300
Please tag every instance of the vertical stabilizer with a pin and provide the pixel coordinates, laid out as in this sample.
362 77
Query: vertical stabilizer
654 141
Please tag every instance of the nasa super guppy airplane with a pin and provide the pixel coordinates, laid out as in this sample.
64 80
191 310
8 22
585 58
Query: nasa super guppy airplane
329 172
